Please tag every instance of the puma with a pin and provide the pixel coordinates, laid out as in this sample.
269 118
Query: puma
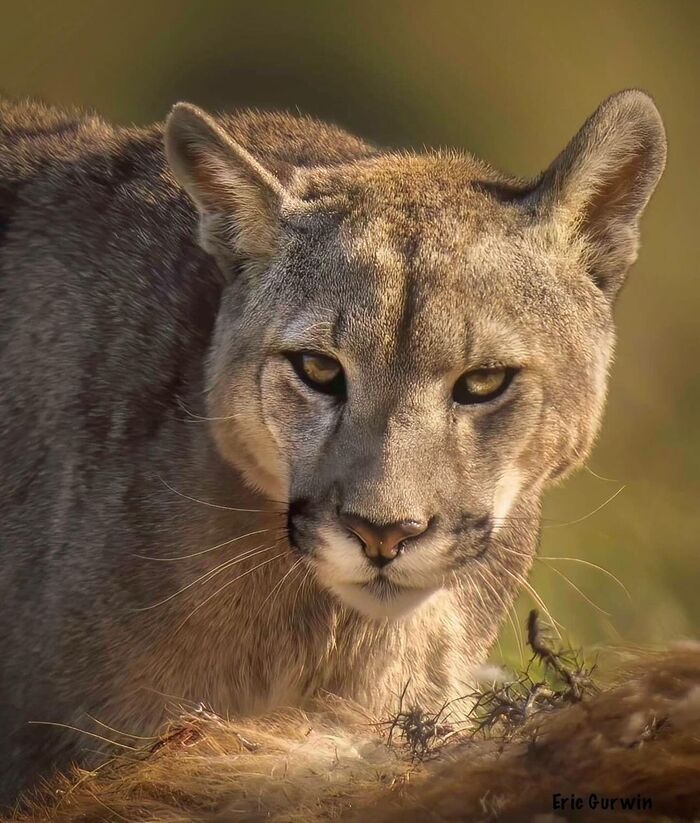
278 407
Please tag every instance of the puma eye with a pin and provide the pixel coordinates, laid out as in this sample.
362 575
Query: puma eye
319 372
481 385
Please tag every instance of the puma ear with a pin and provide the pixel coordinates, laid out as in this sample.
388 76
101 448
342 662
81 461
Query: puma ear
600 184
239 201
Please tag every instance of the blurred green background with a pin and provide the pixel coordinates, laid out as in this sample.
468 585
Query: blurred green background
510 81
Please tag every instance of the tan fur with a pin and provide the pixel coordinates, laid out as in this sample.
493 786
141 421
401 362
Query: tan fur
640 736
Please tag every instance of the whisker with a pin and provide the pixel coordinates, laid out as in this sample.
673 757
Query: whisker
556 625
205 551
300 587
577 589
590 514
85 776
519 579
486 611
518 640
217 505
605 571
515 551
277 587
212 573
599 476
82 731
525 519
226 585
545 558
513 618
201 418
116 731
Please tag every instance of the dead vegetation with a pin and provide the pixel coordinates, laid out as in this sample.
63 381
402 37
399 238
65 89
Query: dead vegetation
552 679
550 731
563 680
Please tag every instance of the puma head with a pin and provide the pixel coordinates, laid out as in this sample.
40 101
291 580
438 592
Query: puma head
411 346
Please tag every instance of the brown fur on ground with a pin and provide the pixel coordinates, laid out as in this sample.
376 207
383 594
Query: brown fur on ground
639 736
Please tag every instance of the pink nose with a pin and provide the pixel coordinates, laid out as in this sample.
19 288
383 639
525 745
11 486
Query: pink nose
381 544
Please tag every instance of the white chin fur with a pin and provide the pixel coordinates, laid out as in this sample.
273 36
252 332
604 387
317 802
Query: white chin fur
391 604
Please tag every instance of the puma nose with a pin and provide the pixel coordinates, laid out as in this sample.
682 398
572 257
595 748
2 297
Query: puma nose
381 544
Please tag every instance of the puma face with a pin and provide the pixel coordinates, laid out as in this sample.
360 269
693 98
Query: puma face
411 347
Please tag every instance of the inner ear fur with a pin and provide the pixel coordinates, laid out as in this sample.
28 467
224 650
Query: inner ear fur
239 201
602 181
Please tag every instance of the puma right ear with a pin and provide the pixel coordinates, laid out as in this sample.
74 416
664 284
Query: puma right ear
600 184
239 201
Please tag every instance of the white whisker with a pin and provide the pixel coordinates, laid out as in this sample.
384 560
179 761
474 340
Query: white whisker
117 731
576 589
82 731
226 585
212 573
521 581
204 551
217 505
277 587
300 587
546 558
599 476
509 613
605 571
590 514
201 418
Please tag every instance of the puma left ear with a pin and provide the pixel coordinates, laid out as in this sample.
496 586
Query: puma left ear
239 201
600 184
